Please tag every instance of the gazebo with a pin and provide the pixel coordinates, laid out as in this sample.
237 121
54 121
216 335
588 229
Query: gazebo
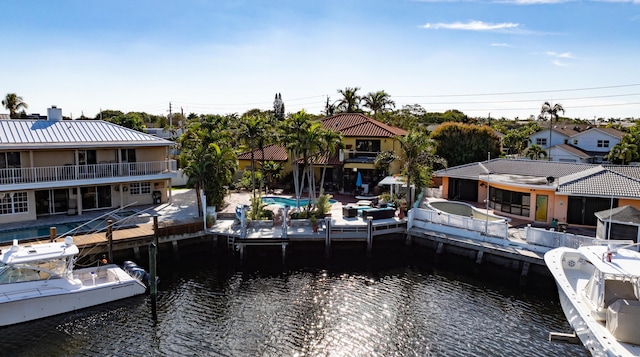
620 223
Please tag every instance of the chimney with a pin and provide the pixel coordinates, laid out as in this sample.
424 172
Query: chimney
54 113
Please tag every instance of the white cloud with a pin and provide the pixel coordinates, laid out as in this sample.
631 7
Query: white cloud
500 45
473 26
560 64
560 55
536 2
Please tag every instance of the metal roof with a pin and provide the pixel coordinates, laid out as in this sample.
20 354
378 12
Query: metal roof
39 134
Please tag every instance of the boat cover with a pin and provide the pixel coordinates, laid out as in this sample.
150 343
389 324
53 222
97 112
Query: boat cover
623 320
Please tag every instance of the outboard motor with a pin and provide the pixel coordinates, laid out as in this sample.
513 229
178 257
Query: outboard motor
136 271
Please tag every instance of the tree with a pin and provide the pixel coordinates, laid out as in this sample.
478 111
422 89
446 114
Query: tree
465 143
378 102
278 108
550 112
131 120
623 153
350 101
418 153
535 152
13 103
331 141
251 131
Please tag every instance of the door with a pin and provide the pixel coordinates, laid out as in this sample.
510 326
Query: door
541 208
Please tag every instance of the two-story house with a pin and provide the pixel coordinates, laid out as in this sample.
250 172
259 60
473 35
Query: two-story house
577 143
58 166
363 138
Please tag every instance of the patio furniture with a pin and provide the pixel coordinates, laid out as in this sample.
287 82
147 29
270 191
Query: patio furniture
378 213
349 212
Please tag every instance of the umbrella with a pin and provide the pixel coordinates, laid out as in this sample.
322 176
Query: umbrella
359 180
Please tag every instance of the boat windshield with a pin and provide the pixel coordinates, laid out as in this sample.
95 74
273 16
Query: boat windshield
39 270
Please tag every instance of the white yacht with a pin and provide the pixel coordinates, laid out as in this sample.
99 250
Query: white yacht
39 280
598 286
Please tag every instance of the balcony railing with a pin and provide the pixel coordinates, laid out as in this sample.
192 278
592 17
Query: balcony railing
84 172
358 156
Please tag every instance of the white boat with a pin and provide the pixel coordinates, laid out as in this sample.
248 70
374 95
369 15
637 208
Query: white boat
598 286
39 280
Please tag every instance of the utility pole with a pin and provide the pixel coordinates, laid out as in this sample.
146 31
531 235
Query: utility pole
170 119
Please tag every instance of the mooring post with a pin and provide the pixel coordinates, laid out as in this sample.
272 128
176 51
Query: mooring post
153 284
284 251
110 239
155 230
327 238
369 236
52 234
284 222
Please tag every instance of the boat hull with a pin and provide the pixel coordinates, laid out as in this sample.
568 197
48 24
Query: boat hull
27 301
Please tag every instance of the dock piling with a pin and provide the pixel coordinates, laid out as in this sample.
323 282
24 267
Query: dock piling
369 236
153 283
110 239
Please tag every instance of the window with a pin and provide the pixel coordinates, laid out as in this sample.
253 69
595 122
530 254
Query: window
603 143
517 203
128 155
368 146
9 160
541 141
14 202
140 188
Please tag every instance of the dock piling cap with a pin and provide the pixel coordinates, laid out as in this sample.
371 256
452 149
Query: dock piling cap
68 240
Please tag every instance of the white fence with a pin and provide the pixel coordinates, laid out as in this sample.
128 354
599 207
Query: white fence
554 239
425 219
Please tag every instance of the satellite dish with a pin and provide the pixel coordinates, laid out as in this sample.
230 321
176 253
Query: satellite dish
550 179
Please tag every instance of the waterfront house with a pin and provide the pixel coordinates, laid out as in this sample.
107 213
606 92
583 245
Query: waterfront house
363 138
57 166
577 143
541 191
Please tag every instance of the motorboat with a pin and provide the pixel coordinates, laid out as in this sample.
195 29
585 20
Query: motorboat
598 286
39 280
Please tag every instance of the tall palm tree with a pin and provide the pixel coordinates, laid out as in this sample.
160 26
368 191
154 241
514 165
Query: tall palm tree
291 133
13 103
550 112
251 131
331 142
350 101
413 145
378 102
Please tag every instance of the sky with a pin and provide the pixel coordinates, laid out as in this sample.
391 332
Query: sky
501 58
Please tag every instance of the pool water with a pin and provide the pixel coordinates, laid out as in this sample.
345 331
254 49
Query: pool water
43 231
285 201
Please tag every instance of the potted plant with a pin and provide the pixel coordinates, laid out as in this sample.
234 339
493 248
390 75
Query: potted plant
209 221
314 222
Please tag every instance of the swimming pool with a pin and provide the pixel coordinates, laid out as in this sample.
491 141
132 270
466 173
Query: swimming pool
285 201
43 231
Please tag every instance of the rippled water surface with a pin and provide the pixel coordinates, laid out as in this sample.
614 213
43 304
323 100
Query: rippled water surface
348 311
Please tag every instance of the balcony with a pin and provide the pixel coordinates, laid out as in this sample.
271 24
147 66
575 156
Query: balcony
364 157
28 177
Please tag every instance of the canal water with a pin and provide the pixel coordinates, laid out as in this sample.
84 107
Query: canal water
346 307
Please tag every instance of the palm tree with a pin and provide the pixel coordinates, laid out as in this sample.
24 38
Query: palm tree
535 152
251 131
331 141
350 101
13 103
378 102
623 152
550 112
291 133
414 145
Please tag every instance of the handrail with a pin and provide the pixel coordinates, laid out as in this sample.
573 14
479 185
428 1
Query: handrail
43 174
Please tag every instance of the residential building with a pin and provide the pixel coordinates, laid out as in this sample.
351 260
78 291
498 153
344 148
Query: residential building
57 166
363 138
540 191
577 143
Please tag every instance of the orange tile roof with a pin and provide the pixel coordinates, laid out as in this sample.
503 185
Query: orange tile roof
272 152
359 125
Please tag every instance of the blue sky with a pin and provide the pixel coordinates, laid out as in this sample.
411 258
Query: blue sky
503 58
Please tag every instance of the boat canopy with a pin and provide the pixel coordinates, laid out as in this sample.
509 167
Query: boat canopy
38 252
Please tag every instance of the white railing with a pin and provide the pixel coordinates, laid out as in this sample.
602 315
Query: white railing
555 239
498 229
84 172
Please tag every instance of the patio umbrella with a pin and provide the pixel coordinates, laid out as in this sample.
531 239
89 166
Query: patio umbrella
359 180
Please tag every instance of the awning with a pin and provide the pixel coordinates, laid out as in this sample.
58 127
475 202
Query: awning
393 180
359 165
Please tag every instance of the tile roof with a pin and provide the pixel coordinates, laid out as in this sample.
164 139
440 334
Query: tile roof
571 178
359 125
38 134
625 214
272 152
